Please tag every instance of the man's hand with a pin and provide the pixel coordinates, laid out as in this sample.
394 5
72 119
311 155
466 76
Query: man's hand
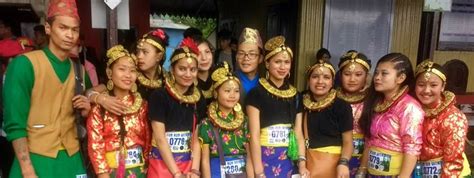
82 103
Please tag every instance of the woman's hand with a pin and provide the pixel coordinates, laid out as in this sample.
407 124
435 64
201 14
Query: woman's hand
303 171
342 171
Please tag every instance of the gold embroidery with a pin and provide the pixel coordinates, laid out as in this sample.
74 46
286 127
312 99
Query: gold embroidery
351 98
319 105
188 99
149 83
383 106
207 93
290 92
448 100
136 104
218 121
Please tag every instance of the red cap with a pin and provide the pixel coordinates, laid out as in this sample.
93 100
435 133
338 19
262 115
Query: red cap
63 7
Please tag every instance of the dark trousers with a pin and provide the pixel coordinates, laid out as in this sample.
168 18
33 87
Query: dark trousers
6 157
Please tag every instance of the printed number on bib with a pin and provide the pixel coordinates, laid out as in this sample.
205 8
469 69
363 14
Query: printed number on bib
134 156
358 144
278 134
235 166
432 169
178 141
379 161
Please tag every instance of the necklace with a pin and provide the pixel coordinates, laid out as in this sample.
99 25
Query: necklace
137 103
149 83
231 122
351 98
188 99
321 104
448 100
288 93
207 93
383 106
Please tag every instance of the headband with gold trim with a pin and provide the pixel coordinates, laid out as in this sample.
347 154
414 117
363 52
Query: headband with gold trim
221 75
427 67
276 45
353 60
117 52
185 54
321 63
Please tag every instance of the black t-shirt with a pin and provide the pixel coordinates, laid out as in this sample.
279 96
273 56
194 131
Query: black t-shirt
144 91
175 115
273 109
325 127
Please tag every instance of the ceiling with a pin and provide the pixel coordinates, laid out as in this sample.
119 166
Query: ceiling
199 8
18 12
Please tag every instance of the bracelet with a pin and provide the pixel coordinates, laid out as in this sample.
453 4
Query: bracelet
343 161
301 158
91 93
196 172
362 168
261 175
95 99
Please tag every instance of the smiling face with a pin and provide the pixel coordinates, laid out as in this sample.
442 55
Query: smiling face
279 66
429 89
123 74
63 32
184 72
353 78
320 81
148 57
228 95
205 59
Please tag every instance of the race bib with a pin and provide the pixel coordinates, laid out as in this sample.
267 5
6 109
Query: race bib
432 169
379 161
358 144
278 134
179 141
234 166
134 157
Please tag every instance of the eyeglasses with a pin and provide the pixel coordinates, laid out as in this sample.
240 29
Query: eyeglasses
242 55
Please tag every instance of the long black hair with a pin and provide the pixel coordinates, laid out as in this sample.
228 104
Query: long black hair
403 66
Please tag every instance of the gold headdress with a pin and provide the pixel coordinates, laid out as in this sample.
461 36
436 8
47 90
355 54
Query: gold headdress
250 36
190 51
354 60
118 51
158 33
276 45
221 75
321 63
427 67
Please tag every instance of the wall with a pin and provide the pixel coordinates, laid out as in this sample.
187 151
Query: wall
406 28
442 57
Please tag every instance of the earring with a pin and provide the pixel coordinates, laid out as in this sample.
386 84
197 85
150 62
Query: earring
134 88
172 79
267 76
237 108
214 95
110 85
196 83
288 76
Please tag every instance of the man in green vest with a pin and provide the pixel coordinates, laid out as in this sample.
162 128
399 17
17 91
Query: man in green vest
39 102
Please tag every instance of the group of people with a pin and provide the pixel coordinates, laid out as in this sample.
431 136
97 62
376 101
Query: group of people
201 119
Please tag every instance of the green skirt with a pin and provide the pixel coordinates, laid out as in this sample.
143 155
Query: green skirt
61 166
136 172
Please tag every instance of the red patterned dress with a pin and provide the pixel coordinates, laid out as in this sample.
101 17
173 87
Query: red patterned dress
444 131
108 150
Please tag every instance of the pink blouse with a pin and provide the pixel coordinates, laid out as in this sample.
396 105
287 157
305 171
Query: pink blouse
399 128
357 112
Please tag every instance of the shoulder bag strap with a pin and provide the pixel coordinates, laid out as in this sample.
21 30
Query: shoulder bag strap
218 140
